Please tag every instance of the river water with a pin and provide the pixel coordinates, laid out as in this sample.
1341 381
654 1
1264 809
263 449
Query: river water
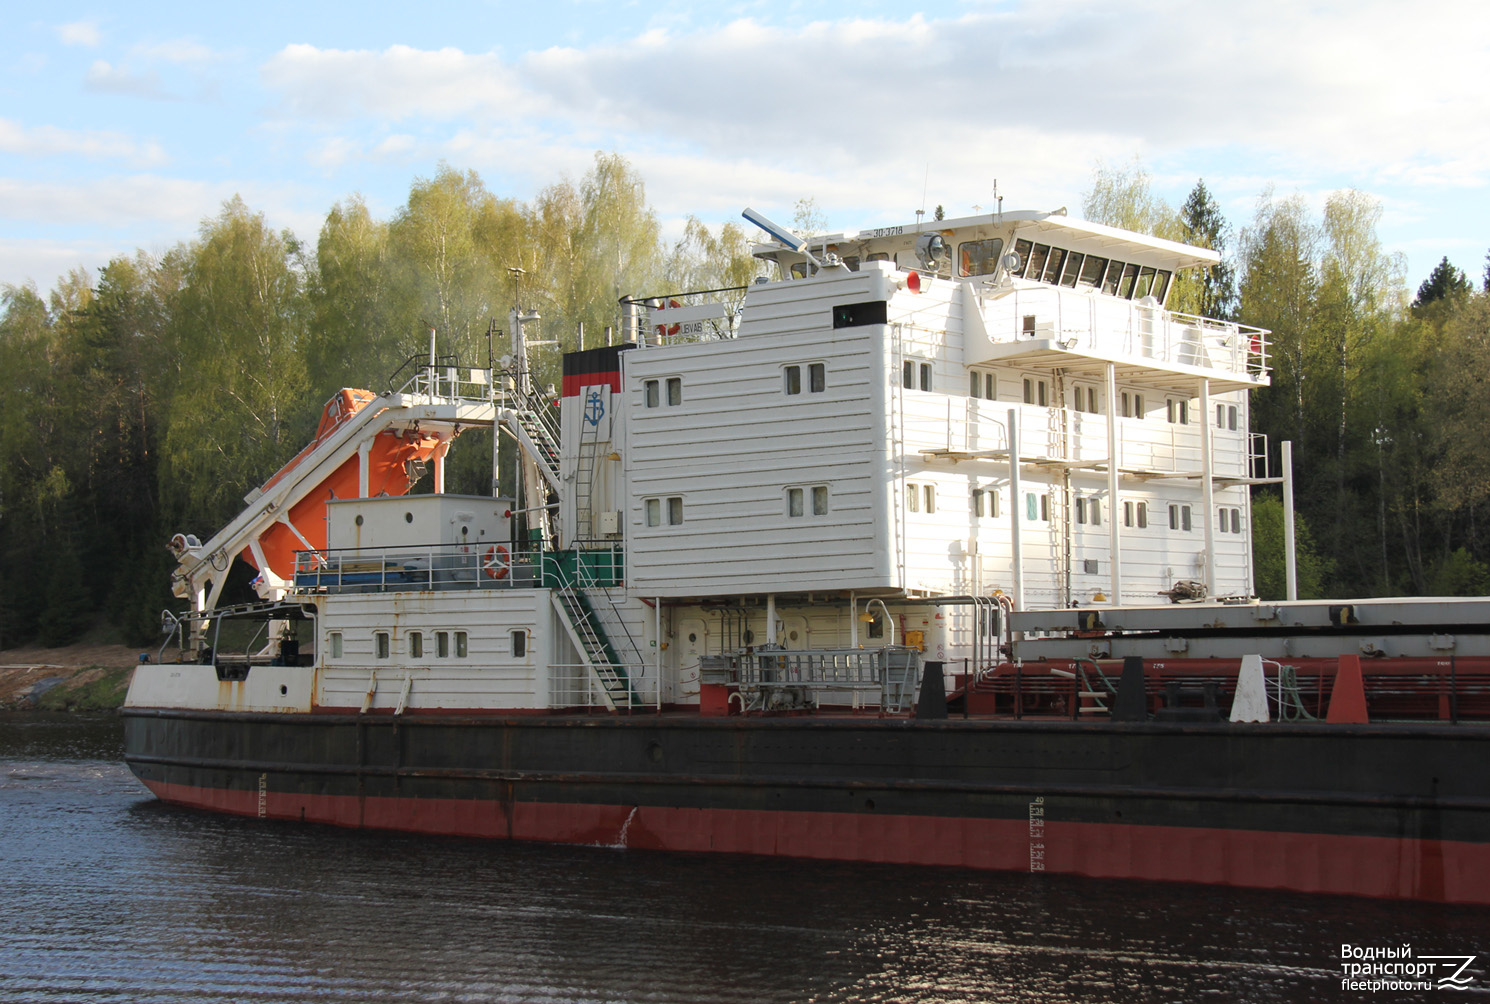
108 895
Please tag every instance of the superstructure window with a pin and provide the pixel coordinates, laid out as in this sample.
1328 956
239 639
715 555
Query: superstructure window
519 644
982 384
335 640
1036 392
986 503
1177 410
653 392
462 649
416 645
1132 405
930 494
979 257
915 375
442 644
1084 399
817 377
912 497
793 379
1072 271
1053 262
1136 514
819 500
1179 517
656 510
380 644
1036 263
798 499
1088 510
674 390
1091 272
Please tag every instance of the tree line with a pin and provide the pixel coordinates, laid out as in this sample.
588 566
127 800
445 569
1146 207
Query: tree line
151 398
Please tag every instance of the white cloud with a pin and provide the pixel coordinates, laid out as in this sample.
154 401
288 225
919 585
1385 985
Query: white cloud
45 141
397 83
182 51
105 78
83 33
43 262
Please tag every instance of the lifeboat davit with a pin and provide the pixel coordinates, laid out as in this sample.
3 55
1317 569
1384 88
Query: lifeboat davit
386 475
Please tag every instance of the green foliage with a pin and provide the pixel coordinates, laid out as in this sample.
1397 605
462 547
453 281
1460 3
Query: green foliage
1445 282
1205 227
1269 559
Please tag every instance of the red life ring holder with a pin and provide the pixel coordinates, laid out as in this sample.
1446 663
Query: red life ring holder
496 562
663 329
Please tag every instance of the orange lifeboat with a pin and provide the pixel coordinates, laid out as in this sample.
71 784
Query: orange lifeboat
386 475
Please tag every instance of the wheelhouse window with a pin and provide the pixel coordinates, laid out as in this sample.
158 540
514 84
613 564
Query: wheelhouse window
979 257
982 384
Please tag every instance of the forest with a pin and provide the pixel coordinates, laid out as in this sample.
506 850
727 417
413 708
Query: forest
149 398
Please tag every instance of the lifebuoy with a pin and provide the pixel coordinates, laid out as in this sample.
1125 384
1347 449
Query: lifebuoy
663 329
496 562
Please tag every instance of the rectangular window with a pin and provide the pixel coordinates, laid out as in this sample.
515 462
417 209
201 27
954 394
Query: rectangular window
1091 272
1161 285
1045 508
1177 411
817 377
820 500
380 644
1143 515
908 375
1072 270
1127 514
442 644
1125 285
1179 517
1231 418
1111 279
461 649
793 379
1052 271
1029 391
926 376
1036 392
1029 324
913 497
675 510
654 512
979 257
1225 519
1037 257
1080 510
652 387
794 502
978 502
994 506
1030 511
877 626
674 390
1085 399
336 644
974 385
519 644
930 491
416 645
1174 517
1236 521
1185 518
1094 506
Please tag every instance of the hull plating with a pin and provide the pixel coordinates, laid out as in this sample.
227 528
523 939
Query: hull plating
1386 812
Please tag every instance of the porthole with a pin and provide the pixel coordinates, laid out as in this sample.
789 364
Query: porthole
283 690
749 636
692 636
359 520
793 636
408 517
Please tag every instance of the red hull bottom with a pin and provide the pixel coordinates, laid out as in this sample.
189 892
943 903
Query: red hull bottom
1380 867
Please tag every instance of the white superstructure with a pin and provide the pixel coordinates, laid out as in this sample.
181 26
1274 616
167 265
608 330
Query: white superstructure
848 462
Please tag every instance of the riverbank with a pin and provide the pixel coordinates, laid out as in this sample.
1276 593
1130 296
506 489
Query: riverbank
83 677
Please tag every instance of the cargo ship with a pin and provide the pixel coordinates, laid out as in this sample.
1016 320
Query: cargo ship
931 546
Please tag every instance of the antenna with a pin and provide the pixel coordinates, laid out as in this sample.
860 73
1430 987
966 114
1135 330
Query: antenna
781 234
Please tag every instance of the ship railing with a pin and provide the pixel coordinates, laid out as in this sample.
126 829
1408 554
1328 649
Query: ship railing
416 568
445 381
784 680
1085 321
700 315
574 685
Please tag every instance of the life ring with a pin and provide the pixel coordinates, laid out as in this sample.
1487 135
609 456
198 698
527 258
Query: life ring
663 329
496 562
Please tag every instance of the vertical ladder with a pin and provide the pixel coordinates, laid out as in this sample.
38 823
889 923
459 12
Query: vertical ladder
1060 501
584 477
584 629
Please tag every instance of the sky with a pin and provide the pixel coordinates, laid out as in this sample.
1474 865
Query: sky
123 127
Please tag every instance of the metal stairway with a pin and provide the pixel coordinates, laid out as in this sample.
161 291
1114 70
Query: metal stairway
579 619
536 434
